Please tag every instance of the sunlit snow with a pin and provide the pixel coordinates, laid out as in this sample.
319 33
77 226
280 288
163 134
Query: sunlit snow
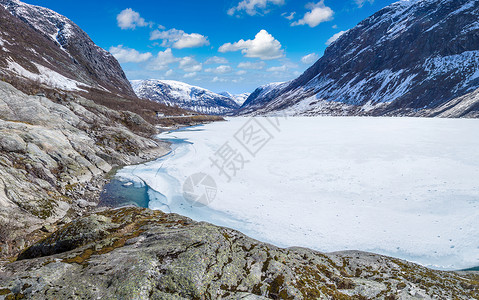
46 76
404 187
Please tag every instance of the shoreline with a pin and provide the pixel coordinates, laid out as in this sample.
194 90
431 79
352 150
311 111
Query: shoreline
149 252
84 198
110 176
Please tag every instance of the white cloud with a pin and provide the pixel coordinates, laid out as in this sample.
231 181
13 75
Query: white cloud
319 13
360 3
192 40
163 60
190 75
130 19
335 37
282 68
216 60
223 69
190 65
219 79
253 7
289 16
179 39
126 55
264 46
309 59
241 72
252 66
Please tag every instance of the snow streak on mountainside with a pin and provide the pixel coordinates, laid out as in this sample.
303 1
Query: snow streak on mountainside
175 93
40 45
408 57
238 98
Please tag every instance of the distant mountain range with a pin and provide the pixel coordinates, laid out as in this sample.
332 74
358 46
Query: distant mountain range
413 58
175 93
238 98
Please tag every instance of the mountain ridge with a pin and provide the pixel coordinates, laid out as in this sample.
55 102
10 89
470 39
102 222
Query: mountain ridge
186 96
55 46
408 57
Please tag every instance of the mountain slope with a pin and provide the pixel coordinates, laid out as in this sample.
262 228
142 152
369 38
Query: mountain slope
409 56
41 45
261 96
175 93
238 98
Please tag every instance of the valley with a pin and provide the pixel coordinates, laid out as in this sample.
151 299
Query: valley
290 150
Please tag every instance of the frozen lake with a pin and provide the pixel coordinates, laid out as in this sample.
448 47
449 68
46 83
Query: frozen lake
403 187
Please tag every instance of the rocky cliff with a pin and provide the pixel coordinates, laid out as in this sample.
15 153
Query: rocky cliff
50 152
63 127
411 56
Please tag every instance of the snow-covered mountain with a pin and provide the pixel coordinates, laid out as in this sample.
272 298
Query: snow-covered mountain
175 93
261 96
238 98
41 46
409 58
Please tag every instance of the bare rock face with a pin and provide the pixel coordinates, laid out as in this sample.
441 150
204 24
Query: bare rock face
134 253
411 56
466 106
63 122
11 142
49 153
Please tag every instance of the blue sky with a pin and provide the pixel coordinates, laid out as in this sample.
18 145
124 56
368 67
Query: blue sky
230 45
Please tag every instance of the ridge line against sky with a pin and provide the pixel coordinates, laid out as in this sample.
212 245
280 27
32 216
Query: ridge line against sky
230 45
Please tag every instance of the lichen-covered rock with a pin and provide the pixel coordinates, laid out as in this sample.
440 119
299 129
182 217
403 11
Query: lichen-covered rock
134 253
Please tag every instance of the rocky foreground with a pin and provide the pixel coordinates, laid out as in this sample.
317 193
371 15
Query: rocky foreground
134 253
54 155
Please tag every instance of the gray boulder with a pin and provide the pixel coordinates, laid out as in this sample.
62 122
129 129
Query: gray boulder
11 142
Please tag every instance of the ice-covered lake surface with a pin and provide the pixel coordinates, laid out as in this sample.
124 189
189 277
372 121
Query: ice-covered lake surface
403 187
